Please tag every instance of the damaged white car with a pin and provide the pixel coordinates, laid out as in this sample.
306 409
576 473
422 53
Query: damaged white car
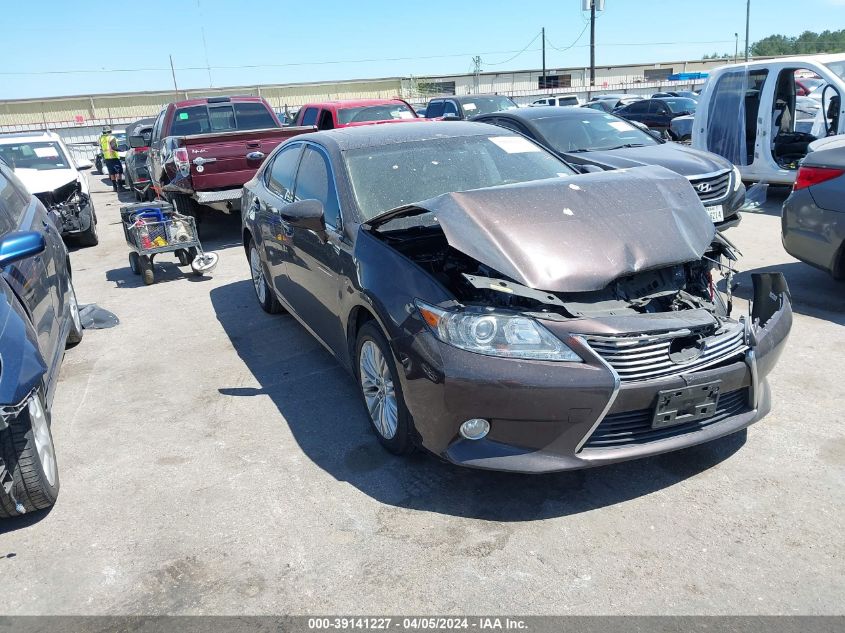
43 163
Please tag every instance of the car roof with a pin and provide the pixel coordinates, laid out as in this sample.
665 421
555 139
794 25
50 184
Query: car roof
347 138
543 112
215 100
22 137
465 98
351 103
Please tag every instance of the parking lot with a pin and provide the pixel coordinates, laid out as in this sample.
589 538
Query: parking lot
216 460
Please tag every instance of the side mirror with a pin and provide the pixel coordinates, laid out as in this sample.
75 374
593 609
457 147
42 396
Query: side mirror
305 214
451 117
138 141
20 245
83 163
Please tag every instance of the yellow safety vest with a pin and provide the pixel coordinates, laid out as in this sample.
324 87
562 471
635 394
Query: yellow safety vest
105 146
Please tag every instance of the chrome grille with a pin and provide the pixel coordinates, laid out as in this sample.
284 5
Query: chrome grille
711 187
647 357
634 427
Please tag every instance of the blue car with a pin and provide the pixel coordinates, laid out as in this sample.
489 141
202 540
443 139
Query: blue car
39 317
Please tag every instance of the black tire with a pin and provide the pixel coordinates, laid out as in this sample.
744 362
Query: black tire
31 485
184 258
402 441
76 332
135 263
101 167
269 303
147 272
186 206
89 237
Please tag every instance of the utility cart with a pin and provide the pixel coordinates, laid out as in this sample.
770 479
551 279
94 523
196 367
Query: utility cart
155 227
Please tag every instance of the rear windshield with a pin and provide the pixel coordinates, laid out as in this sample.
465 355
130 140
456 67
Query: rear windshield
380 112
390 176
487 105
680 104
221 117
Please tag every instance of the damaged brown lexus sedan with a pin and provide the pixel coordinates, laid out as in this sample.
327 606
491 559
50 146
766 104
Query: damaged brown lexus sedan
503 312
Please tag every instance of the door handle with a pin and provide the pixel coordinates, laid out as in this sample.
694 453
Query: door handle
255 156
46 225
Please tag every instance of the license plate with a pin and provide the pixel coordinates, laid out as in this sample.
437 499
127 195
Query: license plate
687 404
717 213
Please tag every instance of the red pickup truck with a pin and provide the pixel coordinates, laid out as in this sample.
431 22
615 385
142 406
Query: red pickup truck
328 115
202 151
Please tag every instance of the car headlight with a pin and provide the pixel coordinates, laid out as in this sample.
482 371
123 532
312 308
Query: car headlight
495 334
737 178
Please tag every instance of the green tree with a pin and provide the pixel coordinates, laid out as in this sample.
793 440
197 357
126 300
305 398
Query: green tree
807 43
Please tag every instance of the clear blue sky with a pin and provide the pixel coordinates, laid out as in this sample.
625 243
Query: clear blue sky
430 37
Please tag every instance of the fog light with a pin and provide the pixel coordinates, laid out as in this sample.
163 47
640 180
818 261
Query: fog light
475 429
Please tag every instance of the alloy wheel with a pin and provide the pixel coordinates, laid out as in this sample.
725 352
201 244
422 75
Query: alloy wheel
43 442
378 389
257 275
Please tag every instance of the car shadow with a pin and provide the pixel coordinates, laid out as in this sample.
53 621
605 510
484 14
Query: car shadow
321 406
19 523
814 292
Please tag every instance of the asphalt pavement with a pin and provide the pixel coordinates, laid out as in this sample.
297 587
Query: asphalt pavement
216 460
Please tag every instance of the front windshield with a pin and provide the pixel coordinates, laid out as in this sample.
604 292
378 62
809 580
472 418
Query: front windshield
590 133
680 105
391 176
487 105
380 112
838 68
40 155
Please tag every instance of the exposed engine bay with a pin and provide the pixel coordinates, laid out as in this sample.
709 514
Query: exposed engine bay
687 286
68 205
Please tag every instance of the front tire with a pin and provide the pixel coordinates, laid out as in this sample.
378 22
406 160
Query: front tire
89 236
381 392
263 292
28 452
147 272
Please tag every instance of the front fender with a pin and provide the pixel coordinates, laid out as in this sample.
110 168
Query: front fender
22 367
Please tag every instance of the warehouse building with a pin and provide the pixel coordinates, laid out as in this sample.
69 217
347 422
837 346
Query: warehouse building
79 118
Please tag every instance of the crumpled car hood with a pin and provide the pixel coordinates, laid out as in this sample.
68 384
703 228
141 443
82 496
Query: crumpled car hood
42 180
574 234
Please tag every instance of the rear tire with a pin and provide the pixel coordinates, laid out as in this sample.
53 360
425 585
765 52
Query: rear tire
186 206
147 272
376 372
263 292
29 454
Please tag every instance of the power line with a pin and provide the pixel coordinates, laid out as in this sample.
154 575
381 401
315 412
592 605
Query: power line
510 59
580 35
358 61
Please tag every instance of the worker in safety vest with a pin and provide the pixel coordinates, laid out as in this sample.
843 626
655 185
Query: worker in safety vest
111 159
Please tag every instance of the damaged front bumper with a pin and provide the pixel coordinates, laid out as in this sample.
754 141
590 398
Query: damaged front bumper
552 416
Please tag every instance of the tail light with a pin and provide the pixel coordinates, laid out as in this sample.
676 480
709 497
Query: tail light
809 176
180 159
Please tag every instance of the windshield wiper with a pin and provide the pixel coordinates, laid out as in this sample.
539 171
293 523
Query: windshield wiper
625 146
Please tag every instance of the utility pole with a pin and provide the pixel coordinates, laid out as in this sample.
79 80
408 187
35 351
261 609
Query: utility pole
592 42
747 22
173 74
736 47
543 37
476 70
